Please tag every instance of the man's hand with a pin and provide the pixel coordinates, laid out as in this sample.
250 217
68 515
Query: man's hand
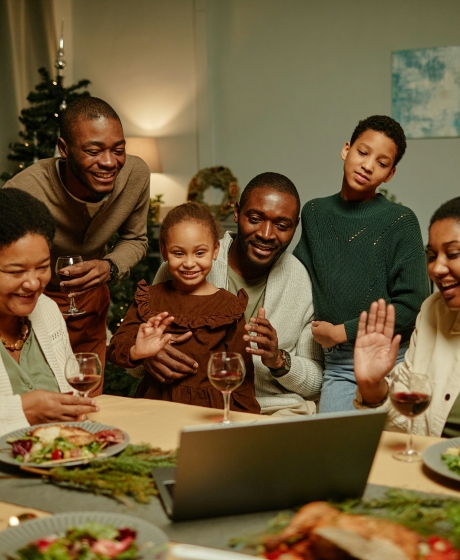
150 338
266 340
328 334
91 275
170 364
375 350
41 407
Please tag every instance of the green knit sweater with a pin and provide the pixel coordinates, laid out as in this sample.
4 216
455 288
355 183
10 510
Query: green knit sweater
357 252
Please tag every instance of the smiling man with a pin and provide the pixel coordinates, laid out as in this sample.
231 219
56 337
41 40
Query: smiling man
287 361
93 190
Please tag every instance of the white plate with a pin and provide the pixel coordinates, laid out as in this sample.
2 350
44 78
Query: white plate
153 541
432 458
93 427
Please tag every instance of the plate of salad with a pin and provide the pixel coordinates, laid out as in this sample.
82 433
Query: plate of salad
64 444
444 458
84 536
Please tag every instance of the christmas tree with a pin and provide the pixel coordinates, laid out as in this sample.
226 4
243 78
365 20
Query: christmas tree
41 120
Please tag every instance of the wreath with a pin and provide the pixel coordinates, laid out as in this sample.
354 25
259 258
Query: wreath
218 177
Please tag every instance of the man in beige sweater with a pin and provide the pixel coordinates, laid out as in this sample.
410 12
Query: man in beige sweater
93 190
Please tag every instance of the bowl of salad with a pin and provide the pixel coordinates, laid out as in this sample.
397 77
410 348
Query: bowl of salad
84 536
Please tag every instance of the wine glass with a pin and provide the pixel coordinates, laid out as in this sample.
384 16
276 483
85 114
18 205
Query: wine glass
226 371
61 263
83 372
410 394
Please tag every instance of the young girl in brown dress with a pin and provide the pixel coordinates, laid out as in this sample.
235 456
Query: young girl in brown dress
189 242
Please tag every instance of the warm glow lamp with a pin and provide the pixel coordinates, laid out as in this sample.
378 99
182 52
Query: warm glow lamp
147 149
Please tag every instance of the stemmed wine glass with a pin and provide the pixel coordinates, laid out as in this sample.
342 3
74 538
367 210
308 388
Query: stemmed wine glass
410 394
61 263
226 371
83 372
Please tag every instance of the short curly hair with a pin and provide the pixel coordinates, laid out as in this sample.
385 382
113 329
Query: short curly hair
189 212
450 209
87 109
270 180
22 214
386 125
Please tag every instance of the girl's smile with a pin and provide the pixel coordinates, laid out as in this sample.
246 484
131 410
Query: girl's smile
190 250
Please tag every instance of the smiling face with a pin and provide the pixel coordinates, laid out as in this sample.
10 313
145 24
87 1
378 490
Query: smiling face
444 259
266 225
94 157
369 162
190 249
24 273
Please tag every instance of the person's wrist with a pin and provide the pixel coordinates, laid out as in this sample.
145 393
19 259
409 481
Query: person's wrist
374 392
133 355
278 361
340 334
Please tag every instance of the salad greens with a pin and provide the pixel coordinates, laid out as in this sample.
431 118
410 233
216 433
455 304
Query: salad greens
91 541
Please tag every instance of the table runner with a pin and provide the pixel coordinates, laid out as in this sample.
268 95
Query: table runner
30 491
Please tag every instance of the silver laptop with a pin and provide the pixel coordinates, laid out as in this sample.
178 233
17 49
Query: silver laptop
271 464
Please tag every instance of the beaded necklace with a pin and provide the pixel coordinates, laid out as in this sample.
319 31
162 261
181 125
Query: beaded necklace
24 330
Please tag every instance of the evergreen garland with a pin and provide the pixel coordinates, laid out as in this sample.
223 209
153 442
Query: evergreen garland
123 477
41 120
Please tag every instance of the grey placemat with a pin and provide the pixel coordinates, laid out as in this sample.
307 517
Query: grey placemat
30 491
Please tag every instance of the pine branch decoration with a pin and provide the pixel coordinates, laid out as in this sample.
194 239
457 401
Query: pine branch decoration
126 476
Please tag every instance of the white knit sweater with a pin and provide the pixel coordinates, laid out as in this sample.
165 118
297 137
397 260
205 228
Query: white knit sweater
289 308
51 332
435 351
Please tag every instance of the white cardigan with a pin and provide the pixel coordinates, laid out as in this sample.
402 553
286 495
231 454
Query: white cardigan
51 332
434 350
289 308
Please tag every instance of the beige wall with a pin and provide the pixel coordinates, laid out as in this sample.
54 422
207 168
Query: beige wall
256 85
291 79
139 56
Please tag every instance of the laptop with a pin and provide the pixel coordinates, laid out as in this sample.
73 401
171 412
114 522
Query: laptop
269 464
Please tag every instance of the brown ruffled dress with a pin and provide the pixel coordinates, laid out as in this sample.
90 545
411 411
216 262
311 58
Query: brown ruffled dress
217 322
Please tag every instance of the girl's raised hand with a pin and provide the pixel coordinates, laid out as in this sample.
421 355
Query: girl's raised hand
151 338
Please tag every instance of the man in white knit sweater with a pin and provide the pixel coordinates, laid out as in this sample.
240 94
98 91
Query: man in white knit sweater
288 362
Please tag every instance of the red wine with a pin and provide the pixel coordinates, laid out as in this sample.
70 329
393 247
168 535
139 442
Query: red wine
226 380
410 404
67 277
84 383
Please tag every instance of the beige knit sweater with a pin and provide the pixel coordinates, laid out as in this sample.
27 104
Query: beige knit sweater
50 330
124 211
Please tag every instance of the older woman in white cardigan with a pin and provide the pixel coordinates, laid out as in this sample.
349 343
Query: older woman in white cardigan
34 344
435 344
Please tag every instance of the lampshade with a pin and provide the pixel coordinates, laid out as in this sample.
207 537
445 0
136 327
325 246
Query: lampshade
147 149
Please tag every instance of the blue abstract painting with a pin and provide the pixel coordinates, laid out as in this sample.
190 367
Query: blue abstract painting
426 91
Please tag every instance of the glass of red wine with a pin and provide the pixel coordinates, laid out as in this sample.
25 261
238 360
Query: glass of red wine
410 394
226 371
61 263
83 372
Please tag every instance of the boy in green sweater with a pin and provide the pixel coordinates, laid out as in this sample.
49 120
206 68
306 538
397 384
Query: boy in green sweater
359 247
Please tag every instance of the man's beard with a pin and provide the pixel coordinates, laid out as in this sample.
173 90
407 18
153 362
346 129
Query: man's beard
262 267
96 196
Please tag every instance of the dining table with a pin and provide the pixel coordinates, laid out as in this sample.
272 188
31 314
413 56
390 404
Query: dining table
159 424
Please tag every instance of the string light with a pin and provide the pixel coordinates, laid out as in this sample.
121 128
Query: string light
56 115
54 83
